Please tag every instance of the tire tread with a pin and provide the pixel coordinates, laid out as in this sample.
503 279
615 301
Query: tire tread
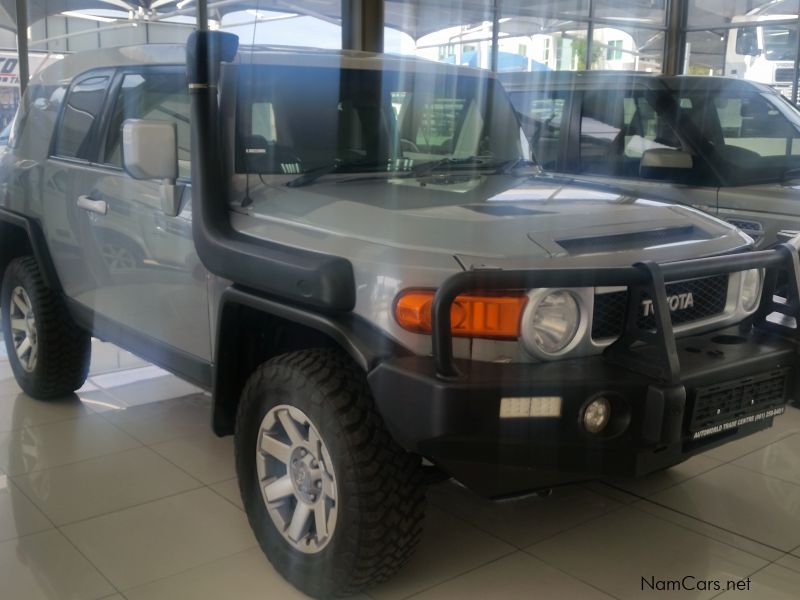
64 350
389 496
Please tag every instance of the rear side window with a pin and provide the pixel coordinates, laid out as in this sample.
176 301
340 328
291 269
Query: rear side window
81 112
156 95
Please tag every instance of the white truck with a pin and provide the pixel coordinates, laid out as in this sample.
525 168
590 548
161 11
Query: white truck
763 48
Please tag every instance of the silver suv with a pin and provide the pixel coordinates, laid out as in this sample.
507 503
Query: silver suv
355 254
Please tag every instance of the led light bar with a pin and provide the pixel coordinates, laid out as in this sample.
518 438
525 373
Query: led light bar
527 407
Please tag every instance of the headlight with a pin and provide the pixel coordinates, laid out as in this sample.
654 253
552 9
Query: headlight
554 322
751 289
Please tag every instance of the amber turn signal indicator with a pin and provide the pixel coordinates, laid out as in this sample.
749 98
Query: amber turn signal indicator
495 316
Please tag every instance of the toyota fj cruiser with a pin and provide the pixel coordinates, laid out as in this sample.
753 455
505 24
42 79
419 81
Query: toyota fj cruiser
367 270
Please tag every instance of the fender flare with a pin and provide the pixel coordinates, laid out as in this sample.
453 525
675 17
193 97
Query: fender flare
363 342
38 244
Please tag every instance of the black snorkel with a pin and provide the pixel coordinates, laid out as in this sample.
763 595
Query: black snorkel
302 277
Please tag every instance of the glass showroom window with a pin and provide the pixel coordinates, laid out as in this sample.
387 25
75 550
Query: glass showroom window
614 50
532 36
712 13
594 34
755 41
627 49
643 12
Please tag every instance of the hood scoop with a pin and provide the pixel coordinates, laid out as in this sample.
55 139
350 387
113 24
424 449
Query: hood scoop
637 240
505 210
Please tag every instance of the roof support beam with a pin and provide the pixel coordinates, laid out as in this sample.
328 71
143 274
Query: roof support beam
202 15
675 46
362 25
495 35
22 44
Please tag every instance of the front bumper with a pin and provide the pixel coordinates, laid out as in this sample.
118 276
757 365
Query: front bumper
457 423
671 398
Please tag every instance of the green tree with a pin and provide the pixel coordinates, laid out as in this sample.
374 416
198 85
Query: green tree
579 52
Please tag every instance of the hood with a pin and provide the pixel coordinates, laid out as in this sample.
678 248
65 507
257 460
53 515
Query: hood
499 221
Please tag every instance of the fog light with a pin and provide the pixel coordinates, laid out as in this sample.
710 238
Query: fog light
596 415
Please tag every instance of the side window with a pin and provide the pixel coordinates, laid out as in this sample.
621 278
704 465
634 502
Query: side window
617 129
33 94
158 96
753 126
262 119
81 112
542 115
35 121
645 129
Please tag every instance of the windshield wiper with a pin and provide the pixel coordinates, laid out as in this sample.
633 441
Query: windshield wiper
420 170
425 168
336 166
498 167
506 167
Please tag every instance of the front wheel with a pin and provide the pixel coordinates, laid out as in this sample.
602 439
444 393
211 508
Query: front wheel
334 502
49 354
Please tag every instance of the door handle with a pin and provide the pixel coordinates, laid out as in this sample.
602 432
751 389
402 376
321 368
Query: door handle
96 206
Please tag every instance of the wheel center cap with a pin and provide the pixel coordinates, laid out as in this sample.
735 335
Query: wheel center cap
302 479
300 474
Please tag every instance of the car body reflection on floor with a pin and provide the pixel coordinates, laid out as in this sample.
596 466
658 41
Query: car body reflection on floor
122 491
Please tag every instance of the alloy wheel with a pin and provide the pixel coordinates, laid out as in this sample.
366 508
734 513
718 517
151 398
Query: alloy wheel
23 329
296 478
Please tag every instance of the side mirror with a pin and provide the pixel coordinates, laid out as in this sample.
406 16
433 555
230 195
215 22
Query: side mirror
665 163
150 151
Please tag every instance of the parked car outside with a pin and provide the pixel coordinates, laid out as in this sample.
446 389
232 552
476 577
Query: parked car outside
728 147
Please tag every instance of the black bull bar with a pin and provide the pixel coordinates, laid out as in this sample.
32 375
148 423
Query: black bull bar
646 276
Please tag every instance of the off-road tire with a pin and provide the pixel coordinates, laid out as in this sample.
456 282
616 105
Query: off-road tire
63 348
380 497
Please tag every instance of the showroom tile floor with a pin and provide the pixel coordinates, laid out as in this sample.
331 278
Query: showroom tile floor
123 492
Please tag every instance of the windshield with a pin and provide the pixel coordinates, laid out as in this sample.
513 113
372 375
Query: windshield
294 120
780 42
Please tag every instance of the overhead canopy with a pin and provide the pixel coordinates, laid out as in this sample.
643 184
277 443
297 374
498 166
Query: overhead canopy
417 18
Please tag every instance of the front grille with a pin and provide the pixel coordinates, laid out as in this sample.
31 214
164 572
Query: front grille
723 402
709 296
